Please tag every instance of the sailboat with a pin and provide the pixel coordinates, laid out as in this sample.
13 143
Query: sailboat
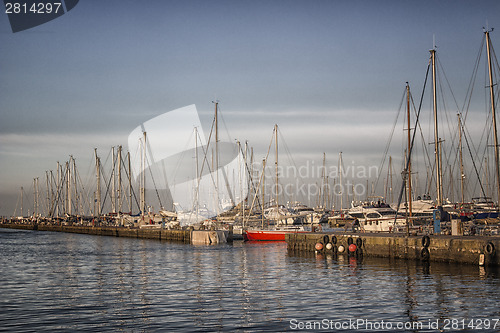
483 207
175 139
283 221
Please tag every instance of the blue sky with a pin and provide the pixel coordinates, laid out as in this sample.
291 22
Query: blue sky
330 73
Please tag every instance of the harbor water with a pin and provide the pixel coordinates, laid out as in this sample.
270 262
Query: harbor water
53 281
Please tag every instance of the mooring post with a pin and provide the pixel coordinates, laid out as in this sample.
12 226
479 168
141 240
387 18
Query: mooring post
436 215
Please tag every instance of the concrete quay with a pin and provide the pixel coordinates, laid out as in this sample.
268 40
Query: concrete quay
475 250
149 233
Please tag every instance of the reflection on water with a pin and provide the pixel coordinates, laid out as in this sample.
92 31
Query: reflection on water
58 281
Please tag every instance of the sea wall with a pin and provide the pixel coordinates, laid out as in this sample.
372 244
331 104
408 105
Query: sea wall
476 250
150 233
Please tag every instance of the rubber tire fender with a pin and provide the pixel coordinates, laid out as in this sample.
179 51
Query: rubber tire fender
424 254
359 242
489 248
426 241
326 239
333 239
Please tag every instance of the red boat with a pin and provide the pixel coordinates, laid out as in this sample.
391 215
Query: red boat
268 235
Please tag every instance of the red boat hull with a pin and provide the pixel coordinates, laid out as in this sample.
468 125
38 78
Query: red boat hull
267 235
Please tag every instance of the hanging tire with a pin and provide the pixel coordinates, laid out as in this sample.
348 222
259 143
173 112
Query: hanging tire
349 241
326 239
426 241
424 254
359 242
334 239
489 248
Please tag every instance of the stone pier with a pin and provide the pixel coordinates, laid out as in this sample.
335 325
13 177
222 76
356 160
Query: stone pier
476 250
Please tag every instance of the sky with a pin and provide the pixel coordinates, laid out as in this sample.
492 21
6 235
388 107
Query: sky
331 74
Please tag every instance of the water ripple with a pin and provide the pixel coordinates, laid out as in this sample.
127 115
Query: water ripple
61 282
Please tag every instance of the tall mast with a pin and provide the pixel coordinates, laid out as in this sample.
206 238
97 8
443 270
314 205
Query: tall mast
276 167
263 188
98 180
198 176
217 157
68 188
119 189
251 184
340 181
35 201
113 181
238 143
462 176
75 175
22 201
409 145
245 193
129 183
52 194
328 204
322 191
493 113
143 176
59 190
49 201
390 179
437 154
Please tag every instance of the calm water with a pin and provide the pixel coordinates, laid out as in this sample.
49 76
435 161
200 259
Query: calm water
62 282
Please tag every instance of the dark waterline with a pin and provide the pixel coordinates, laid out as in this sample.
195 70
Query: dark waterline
61 282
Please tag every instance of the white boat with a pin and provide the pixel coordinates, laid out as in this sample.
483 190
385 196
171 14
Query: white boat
377 217
280 214
419 207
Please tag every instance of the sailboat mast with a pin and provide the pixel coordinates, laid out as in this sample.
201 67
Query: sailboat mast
340 181
197 173
98 180
217 157
322 191
276 165
238 143
493 113
58 185
263 188
129 183
462 188
47 180
439 181
143 178
245 193
390 177
113 181
68 188
119 189
35 196
22 201
409 145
